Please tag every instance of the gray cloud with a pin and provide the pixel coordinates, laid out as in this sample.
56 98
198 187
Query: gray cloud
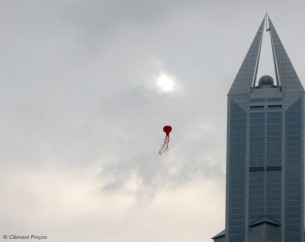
81 115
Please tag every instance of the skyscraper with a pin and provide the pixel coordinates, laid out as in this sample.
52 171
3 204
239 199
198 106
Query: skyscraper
265 150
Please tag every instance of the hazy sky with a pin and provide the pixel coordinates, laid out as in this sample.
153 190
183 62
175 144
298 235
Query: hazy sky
86 87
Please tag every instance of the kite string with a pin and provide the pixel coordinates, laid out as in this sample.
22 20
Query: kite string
164 146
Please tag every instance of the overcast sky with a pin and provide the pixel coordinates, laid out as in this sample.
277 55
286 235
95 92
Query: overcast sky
86 88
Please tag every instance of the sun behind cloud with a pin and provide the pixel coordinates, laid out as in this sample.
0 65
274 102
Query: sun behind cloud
165 83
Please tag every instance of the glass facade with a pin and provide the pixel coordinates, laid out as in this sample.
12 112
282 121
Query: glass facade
237 167
256 163
265 150
293 172
265 169
273 162
264 232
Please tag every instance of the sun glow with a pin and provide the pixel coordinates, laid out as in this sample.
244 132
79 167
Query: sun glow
165 83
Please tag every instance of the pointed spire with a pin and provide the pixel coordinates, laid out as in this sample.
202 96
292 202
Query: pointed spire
286 75
266 64
247 72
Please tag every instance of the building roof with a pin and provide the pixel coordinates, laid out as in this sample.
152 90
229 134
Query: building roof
285 73
264 219
220 234
247 72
